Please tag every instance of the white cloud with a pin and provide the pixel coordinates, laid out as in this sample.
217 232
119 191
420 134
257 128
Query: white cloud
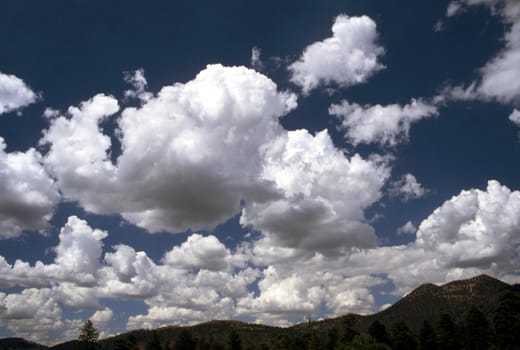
500 76
386 125
474 232
29 195
14 93
476 228
77 259
139 84
408 228
194 152
218 121
256 61
79 250
77 155
200 252
34 314
407 187
347 58
324 195
102 316
515 117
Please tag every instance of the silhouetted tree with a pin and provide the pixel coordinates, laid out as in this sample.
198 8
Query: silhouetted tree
402 338
427 337
332 339
365 342
507 322
314 341
378 331
349 321
185 340
476 330
154 343
447 337
125 343
234 342
89 335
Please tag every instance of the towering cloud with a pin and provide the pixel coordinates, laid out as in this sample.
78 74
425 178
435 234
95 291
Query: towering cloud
191 155
29 195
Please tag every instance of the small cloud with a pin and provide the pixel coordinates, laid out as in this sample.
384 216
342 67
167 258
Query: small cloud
14 94
407 188
349 57
387 125
515 117
139 84
439 26
408 228
51 113
256 61
454 8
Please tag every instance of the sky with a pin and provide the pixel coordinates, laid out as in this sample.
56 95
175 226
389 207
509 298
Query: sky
170 163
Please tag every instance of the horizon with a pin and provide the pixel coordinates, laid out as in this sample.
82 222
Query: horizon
172 163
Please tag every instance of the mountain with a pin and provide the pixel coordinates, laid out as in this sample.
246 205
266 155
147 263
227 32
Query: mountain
423 303
454 298
19 343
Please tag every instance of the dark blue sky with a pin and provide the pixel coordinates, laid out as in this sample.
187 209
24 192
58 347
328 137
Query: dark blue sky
202 186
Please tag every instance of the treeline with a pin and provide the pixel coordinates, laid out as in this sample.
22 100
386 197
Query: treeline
473 332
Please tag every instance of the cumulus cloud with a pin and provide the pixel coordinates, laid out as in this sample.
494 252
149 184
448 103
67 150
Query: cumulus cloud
324 195
408 228
386 125
139 84
347 58
76 261
515 117
200 252
476 228
196 153
36 315
190 155
102 316
29 195
14 93
407 187
79 277
500 76
256 61
474 232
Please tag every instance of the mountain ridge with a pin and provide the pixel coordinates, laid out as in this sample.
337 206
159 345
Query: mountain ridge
423 303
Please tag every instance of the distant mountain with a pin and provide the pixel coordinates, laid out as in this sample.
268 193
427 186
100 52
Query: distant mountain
423 303
454 298
19 343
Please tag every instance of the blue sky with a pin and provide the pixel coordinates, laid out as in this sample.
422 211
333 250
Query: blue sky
171 163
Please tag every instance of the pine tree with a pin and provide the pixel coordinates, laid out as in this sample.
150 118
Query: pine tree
185 341
447 337
331 339
378 331
507 322
89 335
476 330
365 342
427 337
234 342
154 343
402 338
